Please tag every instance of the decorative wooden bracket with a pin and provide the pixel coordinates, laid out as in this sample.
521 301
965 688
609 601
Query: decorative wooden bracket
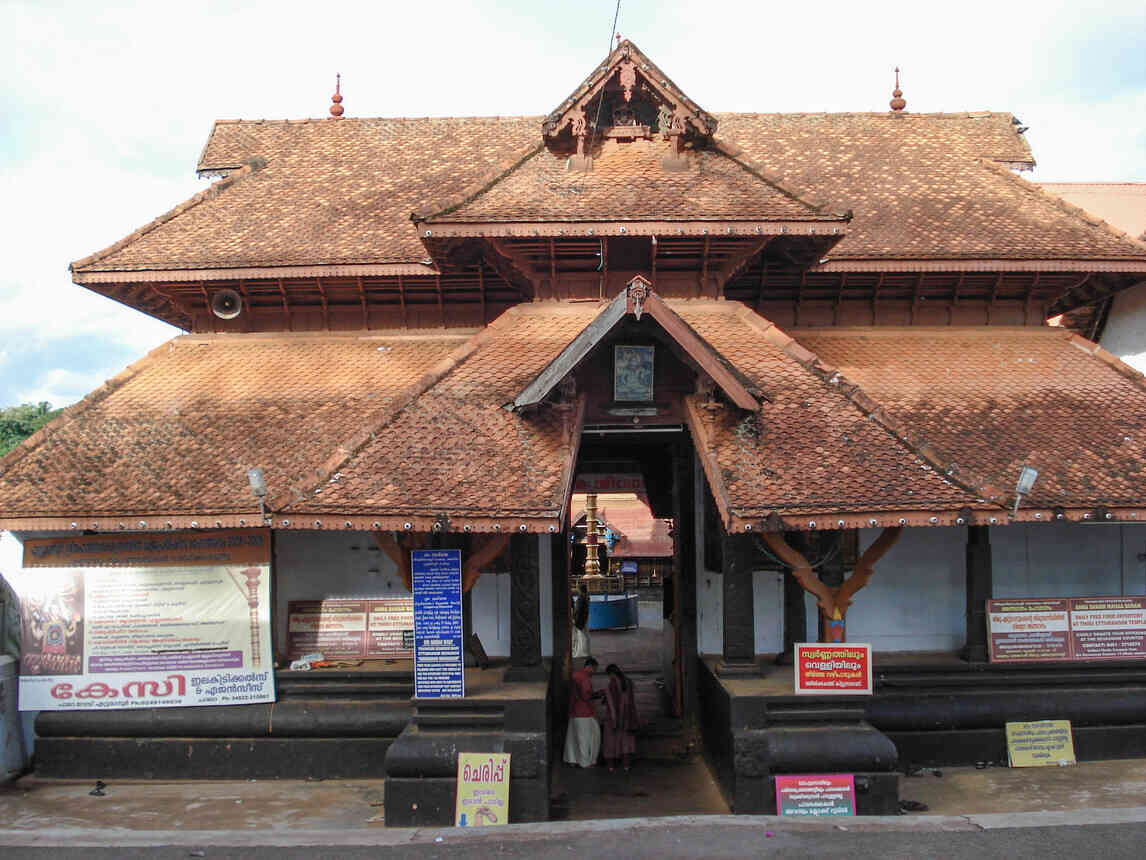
399 547
833 602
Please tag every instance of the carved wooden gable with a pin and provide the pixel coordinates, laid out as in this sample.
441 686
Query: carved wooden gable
626 97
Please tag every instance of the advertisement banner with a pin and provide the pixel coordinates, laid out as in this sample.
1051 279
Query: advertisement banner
840 669
342 629
1074 628
483 790
143 621
439 661
829 794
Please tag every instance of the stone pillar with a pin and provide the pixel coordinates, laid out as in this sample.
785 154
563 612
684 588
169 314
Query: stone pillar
524 610
980 588
739 617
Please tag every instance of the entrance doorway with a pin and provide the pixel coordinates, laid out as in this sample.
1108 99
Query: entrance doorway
642 618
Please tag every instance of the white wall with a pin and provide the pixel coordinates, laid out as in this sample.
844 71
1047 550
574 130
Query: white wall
709 584
1125 333
916 599
316 565
1068 559
768 609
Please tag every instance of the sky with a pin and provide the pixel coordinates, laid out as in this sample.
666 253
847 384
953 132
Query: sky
105 107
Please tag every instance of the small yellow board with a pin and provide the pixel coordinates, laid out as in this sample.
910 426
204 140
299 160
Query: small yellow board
1040 744
483 790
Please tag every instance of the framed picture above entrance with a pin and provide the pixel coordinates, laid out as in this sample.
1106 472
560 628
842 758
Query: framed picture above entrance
633 373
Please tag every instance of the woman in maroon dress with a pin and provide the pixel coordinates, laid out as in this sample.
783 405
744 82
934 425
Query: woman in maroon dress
621 718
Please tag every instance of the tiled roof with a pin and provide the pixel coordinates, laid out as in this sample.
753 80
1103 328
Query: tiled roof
924 185
628 183
862 426
174 434
458 451
341 192
810 450
641 534
996 399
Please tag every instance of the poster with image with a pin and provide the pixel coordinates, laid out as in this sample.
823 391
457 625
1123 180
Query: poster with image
141 621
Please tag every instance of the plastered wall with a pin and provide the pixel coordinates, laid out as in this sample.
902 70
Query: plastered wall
1125 333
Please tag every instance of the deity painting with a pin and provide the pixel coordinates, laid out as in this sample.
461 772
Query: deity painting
53 622
633 373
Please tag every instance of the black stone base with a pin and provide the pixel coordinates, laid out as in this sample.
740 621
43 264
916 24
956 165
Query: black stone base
737 667
526 674
961 747
211 758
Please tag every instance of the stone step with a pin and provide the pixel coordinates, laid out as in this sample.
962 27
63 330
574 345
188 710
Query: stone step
810 712
341 689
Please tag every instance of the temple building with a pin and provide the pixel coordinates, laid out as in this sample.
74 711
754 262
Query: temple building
820 340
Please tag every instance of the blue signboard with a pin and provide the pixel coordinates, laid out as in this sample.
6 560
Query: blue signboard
439 664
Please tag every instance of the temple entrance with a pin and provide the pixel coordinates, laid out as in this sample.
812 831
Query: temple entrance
632 509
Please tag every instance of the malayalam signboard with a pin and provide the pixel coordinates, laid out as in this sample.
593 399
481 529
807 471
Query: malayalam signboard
831 794
1072 628
483 790
1041 743
842 669
342 629
439 662
145 621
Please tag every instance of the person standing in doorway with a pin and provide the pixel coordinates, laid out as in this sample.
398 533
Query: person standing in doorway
621 719
581 646
583 737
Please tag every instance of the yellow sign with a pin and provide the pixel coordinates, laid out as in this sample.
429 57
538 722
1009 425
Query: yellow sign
483 789
1047 742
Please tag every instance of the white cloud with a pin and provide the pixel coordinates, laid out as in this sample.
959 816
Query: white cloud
105 108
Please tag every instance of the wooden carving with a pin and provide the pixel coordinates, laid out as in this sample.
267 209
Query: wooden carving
627 74
833 602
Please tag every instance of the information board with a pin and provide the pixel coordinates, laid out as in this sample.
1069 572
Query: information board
347 629
439 662
483 790
1074 628
841 669
146 621
1041 743
828 794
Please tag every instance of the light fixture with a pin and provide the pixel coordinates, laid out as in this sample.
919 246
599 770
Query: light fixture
1027 477
258 484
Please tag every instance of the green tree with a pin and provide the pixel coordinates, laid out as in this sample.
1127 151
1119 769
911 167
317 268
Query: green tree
17 423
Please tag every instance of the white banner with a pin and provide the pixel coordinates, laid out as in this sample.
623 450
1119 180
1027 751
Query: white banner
175 634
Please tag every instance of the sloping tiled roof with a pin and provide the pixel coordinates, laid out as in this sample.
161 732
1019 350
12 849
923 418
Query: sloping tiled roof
458 451
862 426
641 534
997 399
326 192
174 435
628 183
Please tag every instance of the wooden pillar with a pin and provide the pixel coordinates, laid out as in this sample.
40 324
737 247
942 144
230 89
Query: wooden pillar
795 620
980 588
739 619
524 610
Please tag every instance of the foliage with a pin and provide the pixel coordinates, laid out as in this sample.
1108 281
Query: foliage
17 423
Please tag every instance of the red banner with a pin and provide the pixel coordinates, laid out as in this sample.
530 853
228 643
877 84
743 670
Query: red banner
351 629
833 669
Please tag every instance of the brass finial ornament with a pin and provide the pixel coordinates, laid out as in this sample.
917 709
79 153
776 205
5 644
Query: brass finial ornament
336 108
898 102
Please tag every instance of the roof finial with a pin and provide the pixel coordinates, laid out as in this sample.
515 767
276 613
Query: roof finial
898 102
336 108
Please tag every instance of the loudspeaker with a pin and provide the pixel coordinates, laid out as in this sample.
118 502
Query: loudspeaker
226 304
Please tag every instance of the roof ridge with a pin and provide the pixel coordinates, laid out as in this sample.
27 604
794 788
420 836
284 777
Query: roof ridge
1069 208
353 445
871 408
479 187
70 414
735 154
252 166
1105 356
